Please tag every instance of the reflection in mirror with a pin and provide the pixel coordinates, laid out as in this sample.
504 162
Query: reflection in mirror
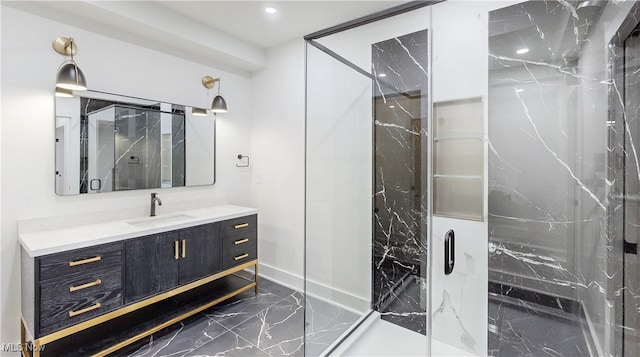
107 142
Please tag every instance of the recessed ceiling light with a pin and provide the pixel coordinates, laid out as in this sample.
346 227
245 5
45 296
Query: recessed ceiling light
382 75
522 51
270 10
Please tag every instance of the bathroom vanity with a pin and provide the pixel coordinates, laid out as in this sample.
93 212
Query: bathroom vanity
127 279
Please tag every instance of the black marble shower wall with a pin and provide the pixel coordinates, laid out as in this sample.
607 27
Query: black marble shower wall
555 259
400 187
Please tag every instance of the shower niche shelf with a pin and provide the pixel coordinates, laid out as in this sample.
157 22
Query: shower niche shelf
458 159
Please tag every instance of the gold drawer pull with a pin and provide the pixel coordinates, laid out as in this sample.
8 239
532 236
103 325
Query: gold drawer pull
184 248
241 256
78 312
176 248
84 286
240 241
243 225
85 261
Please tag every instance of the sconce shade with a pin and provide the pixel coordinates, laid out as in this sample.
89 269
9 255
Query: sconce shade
71 77
199 112
219 105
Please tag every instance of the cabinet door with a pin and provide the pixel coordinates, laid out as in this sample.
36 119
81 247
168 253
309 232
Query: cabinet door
200 252
151 266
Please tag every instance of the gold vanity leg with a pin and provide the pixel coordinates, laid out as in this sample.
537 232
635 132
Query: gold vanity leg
255 277
23 339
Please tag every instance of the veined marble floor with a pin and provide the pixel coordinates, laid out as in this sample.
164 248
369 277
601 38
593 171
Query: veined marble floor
270 323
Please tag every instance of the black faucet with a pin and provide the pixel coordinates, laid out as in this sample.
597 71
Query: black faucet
154 199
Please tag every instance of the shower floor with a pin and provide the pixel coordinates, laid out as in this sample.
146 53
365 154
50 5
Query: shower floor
520 328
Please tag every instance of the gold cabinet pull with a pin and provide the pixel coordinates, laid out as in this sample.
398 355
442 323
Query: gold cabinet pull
85 261
82 311
240 241
243 225
241 256
184 248
176 248
84 286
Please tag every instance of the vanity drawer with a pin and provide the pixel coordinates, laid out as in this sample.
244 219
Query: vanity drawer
239 249
84 285
105 257
239 225
58 314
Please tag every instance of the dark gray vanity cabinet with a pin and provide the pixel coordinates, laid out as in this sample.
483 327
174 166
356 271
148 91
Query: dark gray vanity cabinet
199 252
77 285
138 283
161 262
239 241
151 265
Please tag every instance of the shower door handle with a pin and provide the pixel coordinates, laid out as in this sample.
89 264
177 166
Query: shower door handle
449 252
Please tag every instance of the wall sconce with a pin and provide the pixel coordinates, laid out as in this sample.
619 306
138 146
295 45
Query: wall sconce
219 105
69 74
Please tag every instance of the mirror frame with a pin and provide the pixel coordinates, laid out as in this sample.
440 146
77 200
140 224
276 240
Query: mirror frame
127 100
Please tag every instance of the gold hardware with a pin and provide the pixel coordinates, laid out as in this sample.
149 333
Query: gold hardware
65 46
241 256
85 261
87 309
240 241
243 225
184 248
152 300
84 286
208 81
176 248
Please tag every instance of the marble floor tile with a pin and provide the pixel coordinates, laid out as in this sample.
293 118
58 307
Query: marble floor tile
228 344
270 323
276 330
242 309
188 336
275 288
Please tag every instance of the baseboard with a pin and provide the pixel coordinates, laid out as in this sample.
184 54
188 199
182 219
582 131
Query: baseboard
317 290
338 297
290 280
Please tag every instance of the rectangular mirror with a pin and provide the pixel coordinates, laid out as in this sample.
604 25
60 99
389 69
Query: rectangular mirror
107 142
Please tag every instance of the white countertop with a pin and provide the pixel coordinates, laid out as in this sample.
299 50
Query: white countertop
63 239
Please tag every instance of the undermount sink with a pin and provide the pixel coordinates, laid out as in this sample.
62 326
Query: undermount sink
158 220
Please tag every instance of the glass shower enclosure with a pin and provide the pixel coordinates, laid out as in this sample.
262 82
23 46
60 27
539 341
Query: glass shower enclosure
472 179
366 182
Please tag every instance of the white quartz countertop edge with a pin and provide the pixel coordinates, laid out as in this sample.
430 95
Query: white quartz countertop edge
59 240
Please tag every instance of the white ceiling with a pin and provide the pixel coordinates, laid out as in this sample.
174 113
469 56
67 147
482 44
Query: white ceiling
248 21
230 35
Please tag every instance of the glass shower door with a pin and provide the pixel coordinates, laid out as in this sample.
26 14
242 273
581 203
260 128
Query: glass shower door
338 200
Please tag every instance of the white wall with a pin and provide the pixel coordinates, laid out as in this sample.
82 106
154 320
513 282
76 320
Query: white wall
277 157
29 67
